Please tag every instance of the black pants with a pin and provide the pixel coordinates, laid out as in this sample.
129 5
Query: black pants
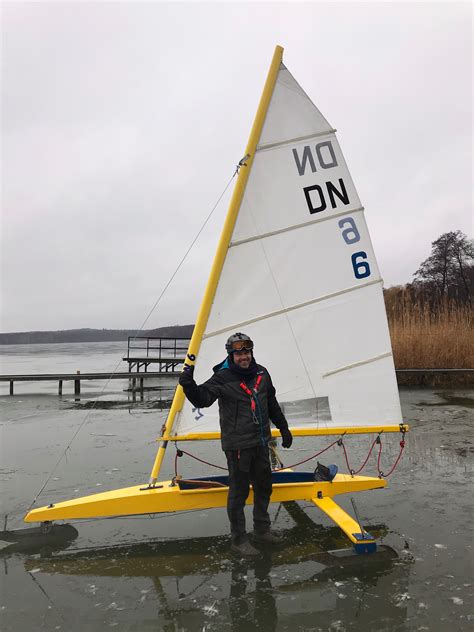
249 466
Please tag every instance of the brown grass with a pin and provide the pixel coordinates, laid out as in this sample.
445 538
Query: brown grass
424 338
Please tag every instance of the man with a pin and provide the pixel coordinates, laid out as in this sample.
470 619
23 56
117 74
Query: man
247 404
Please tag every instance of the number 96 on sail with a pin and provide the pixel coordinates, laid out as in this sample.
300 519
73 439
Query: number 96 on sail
351 236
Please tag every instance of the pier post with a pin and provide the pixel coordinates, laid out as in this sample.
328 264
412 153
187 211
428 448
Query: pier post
77 385
11 387
60 387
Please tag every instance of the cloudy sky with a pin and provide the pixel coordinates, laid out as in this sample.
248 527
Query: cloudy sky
122 124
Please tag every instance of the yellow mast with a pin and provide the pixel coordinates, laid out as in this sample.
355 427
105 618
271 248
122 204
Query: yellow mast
221 252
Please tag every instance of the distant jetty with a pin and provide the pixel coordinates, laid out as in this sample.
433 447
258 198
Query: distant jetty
91 335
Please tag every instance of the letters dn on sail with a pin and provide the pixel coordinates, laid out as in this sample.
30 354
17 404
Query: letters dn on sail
317 196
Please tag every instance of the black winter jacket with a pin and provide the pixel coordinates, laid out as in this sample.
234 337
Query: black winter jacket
239 429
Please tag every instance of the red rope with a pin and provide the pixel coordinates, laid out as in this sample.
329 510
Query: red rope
306 460
193 457
338 441
381 474
368 456
341 443
378 460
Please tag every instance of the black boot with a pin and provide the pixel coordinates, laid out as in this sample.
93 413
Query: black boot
267 537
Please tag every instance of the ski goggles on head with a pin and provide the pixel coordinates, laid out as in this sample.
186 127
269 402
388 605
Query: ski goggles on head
242 345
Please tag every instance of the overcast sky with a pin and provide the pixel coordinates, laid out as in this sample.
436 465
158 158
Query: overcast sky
122 123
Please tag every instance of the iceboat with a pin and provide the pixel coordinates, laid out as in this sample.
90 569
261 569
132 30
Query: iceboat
295 270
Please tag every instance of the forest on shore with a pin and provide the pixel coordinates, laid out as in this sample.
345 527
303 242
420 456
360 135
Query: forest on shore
431 319
92 335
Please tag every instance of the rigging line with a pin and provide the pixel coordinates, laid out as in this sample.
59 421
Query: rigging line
63 454
53 605
191 246
289 467
277 512
285 312
205 581
181 452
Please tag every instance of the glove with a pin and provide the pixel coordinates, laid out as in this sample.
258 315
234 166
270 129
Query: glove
287 437
186 376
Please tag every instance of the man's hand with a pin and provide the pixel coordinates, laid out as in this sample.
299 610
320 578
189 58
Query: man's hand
287 438
186 376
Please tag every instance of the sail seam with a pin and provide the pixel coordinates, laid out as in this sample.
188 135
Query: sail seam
294 227
298 139
292 308
388 354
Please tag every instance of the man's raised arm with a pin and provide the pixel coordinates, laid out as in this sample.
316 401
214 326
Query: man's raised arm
201 396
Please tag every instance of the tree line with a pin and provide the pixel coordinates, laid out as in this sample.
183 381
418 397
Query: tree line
446 277
92 335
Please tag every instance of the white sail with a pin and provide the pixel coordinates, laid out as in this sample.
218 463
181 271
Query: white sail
301 279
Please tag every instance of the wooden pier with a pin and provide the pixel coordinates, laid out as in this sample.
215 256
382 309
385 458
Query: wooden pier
136 381
167 353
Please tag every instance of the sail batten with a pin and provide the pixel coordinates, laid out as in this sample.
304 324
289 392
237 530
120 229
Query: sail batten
294 227
387 354
290 308
298 139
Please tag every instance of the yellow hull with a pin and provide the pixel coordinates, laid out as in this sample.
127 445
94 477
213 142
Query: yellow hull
166 497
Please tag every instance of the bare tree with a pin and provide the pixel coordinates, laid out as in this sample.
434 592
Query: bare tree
448 271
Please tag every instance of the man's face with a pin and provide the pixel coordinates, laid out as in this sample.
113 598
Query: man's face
243 358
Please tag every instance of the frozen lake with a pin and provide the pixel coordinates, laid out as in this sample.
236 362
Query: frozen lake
175 572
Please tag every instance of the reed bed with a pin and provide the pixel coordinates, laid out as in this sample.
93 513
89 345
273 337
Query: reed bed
432 337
